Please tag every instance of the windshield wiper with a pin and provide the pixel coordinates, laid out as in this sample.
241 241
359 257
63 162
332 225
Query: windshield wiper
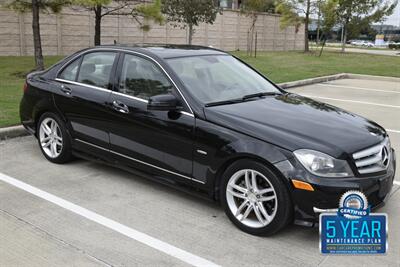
224 102
259 95
238 100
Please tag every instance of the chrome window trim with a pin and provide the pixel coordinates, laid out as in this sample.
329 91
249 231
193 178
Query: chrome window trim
118 93
130 96
129 52
84 84
139 161
187 114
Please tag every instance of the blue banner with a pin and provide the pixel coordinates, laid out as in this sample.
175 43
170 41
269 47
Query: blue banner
363 235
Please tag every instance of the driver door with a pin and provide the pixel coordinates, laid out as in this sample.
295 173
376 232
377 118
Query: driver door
155 141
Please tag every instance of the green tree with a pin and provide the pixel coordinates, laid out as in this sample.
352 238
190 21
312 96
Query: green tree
354 15
190 13
327 11
319 6
297 12
252 9
36 6
135 8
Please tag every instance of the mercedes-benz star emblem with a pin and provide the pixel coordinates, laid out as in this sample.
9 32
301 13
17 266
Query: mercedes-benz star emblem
385 156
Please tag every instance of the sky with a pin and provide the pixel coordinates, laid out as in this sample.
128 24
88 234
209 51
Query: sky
394 19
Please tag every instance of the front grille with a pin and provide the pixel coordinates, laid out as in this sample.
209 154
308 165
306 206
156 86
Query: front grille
373 159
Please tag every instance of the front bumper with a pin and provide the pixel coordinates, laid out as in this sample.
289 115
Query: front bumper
327 191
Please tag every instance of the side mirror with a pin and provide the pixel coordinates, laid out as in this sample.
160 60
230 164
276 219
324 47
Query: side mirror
165 102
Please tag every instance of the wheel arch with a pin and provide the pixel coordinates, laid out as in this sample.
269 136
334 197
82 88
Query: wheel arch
43 106
42 109
227 163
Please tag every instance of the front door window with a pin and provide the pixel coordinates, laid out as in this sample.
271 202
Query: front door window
142 78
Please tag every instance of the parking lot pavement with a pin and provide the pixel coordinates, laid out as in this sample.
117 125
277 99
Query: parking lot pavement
46 231
37 247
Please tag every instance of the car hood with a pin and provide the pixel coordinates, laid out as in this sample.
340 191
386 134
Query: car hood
293 122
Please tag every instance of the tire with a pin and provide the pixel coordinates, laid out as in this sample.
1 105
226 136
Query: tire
276 207
54 140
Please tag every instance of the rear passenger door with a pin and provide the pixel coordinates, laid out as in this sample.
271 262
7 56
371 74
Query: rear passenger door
83 94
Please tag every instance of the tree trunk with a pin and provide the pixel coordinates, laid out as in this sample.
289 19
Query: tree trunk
37 43
248 43
306 46
306 22
190 33
322 48
251 42
344 38
250 36
97 25
318 23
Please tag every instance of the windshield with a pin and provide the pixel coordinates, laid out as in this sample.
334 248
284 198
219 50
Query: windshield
219 78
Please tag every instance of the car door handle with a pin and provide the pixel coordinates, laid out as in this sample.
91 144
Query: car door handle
120 107
66 90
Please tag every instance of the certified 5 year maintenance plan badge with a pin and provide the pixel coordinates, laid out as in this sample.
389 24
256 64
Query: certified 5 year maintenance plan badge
353 229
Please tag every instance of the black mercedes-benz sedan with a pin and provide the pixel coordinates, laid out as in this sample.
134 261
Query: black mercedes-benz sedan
196 117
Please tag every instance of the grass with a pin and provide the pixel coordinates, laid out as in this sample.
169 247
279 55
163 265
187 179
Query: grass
12 73
278 66
291 66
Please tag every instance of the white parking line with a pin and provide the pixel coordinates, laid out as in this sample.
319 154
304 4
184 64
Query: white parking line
396 182
358 88
352 101
120 228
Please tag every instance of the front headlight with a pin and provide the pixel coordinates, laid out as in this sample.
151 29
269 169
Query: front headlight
321 164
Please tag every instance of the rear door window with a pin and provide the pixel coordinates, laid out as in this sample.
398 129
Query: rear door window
69 73
96 69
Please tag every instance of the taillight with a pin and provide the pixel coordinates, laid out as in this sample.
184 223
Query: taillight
25 87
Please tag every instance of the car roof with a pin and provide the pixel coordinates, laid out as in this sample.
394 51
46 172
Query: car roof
168 51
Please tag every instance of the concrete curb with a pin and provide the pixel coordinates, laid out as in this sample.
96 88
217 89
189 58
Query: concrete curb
13 131
314 80
337 77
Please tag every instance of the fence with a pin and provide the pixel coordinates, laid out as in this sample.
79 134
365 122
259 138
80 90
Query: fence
73 30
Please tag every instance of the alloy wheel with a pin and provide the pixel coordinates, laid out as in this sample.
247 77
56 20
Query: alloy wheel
251 198
50 137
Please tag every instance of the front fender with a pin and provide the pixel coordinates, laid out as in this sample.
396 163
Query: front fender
217 147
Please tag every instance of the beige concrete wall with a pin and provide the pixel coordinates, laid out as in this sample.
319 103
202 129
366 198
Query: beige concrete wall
73 30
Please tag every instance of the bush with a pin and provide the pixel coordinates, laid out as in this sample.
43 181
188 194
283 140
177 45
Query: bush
394 46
